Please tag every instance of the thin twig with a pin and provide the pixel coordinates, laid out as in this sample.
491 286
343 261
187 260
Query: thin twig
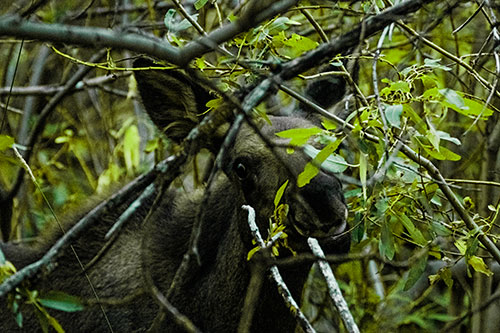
315 24
283 289
50 89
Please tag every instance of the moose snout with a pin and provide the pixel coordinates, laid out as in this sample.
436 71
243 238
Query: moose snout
324 212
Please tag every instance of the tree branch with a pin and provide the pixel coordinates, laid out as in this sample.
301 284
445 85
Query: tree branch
11 25
86 222
350 39
50 89
333 287
86 36
275 274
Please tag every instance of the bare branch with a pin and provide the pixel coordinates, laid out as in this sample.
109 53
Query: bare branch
333 288
283 289
85 36
49 90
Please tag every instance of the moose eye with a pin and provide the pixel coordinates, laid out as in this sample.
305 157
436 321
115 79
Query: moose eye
241 170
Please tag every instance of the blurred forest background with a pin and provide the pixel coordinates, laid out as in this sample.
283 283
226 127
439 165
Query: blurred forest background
419 158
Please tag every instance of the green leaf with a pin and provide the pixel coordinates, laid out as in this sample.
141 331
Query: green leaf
169 19
55 324
444 154
299 136
447 276
324 159
19 319
432 135
252 252
61 301
479 266
200 63
279 194
184 24
440 229
111 175
416 272
363 171
453 100
446 136
393 114
434 63
280 24
417 120
431 94
213 104
131 148
328 124
461 246
310 171
199 4
429 81
172 25
334 163
386 243
6 142
152 145
401 86
477 109
415 233
294 45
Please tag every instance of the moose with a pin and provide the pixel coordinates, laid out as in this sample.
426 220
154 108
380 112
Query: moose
213 293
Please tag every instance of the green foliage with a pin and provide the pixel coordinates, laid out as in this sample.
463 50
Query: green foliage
200 4
276 235
324 158
398 215
61 301
23 295
6 142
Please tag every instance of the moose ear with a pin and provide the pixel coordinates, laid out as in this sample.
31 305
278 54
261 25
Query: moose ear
329 92
172 100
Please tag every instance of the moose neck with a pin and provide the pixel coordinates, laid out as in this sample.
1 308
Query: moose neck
212 294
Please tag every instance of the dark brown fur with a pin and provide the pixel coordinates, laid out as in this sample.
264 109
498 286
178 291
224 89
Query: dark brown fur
212 296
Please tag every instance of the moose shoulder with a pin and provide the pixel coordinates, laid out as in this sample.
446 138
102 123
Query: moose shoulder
213 294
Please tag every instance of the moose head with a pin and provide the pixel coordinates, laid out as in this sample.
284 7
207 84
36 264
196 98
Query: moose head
254 167
257 163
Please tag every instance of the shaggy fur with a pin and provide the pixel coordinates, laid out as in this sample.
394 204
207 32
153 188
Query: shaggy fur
212 296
